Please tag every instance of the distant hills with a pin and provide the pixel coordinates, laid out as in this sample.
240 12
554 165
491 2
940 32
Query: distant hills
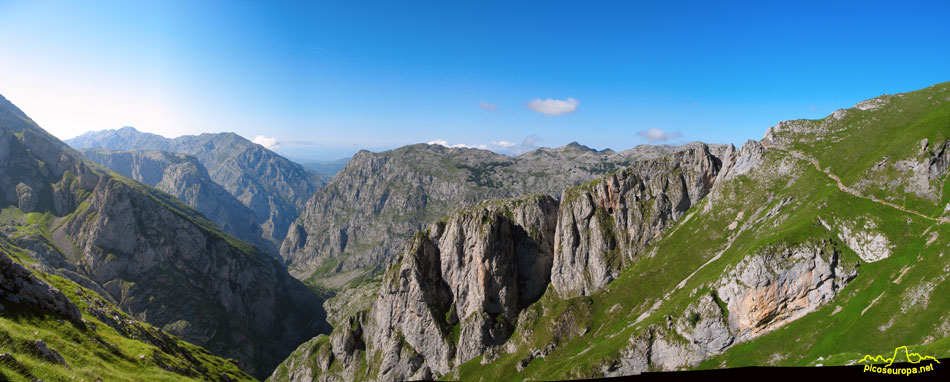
329 168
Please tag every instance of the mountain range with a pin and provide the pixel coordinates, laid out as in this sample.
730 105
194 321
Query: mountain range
130 255
824 241
272 187
355 227
68 221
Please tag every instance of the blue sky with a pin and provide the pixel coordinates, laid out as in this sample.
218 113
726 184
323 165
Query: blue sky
324 79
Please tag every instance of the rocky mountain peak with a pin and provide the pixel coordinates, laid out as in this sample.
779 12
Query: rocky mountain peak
457 289
603 225
357 224
271 187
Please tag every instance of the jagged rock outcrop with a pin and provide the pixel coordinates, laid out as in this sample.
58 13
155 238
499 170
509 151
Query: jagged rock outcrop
461 286
50 355
310 362
865 239
738 162
704 327
457 290
272 187
781 284
763 292
604 224
184 177
158 259
925 170
18 286
360 221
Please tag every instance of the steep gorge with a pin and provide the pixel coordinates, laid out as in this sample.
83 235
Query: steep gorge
460 287
358 223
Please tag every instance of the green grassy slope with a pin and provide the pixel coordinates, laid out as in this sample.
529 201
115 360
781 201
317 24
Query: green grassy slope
852 145
122 349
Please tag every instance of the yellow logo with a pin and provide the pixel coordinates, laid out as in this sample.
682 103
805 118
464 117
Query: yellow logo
914 358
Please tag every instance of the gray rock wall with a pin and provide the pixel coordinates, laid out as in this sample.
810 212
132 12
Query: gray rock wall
462 284
603 225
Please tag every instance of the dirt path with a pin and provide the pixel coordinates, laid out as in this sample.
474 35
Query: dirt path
842 187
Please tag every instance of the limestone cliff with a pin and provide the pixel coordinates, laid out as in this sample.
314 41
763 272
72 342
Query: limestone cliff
272 187
457 290
184 177
360 221
604 225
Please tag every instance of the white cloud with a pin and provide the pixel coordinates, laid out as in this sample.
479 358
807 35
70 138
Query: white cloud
442 142
488 106
512 148
657 135
553 107
501 146
269 143
529 141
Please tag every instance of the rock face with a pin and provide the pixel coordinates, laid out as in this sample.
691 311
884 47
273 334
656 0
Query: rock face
231 300
18 286
865 239
603 225
765 291
760 294
48 354
461 284
184 177
360 221
309 361
460 287
272 187
738 162
158 259
705 325
457 290
925 170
